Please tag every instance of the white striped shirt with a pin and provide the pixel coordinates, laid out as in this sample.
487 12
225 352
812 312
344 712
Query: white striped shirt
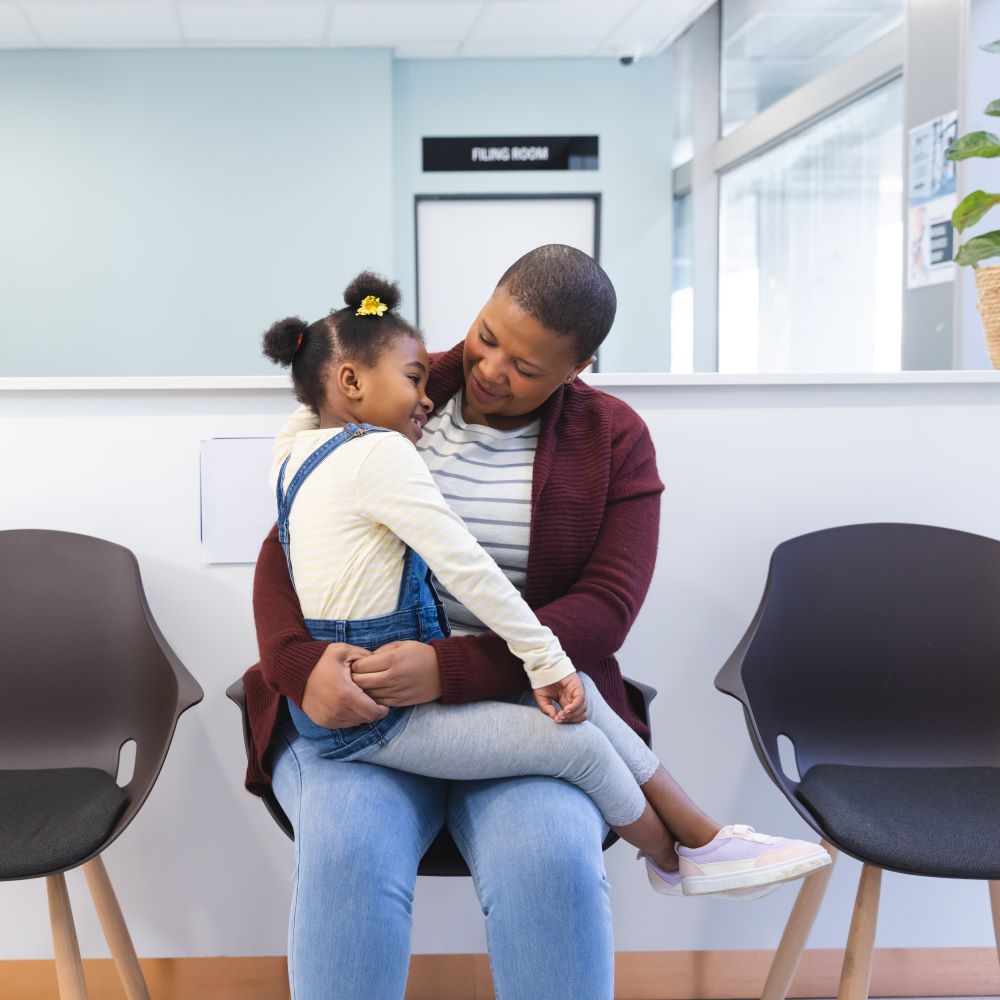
485 475
348 526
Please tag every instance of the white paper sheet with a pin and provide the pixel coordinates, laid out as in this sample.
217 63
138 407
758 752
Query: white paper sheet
237 506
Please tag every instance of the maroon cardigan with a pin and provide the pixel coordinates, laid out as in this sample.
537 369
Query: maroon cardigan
595 513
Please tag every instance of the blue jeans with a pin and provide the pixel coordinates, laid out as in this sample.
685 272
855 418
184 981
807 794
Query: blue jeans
533 846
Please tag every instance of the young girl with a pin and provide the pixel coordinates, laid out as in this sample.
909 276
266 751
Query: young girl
361 520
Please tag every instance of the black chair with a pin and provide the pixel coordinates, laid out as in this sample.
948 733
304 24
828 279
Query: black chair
84 671
876 652
443 856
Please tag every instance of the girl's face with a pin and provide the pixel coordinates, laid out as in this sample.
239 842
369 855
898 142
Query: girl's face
393 393
512 364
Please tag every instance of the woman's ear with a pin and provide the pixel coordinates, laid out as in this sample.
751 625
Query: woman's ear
579 368
348 380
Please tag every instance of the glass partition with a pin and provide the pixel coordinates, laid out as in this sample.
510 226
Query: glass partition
810 247
772 47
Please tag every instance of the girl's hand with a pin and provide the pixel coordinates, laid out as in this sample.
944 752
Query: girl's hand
570 695
400 673
331 698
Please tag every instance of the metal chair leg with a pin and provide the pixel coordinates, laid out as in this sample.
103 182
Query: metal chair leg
800 922
115 930
69 967
856 974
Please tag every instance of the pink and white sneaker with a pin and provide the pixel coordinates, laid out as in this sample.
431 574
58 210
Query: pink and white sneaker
672 883
662 881
740 858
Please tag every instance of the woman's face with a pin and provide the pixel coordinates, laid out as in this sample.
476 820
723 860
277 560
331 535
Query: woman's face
512 364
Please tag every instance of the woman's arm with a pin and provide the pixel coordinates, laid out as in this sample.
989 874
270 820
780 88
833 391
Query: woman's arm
592 620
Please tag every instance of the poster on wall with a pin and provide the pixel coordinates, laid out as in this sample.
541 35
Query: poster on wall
237 505
931 198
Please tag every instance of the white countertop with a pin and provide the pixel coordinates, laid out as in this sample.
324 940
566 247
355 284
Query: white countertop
280 383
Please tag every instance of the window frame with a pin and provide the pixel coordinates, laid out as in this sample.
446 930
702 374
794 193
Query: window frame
853 79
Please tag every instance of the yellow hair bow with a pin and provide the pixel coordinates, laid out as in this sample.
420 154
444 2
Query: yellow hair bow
371 305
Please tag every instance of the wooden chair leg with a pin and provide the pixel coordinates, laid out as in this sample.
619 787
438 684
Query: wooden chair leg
856 974
995 909
115 930
800 922
69 967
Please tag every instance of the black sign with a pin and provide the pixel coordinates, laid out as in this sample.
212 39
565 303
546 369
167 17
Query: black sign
534 152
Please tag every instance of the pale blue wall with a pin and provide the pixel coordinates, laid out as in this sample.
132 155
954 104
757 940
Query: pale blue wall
629 108
159 209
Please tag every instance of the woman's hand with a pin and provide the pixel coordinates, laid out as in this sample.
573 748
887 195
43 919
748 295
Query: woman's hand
331 698
570 695
400 673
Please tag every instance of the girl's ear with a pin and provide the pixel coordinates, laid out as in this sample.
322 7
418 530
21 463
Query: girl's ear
347 379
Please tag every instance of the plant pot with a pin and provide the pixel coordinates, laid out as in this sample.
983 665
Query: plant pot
988 283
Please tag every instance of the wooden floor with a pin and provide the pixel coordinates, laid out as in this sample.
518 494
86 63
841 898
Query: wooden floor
912 974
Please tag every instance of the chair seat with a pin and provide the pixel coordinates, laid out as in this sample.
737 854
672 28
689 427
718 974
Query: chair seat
941 821
52 818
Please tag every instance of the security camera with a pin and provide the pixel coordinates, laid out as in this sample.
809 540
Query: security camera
626 60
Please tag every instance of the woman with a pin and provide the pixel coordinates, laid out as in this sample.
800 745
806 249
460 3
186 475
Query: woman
507 403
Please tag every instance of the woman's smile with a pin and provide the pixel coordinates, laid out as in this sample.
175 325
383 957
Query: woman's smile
483 392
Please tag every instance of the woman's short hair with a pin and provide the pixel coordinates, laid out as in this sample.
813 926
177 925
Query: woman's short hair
567 291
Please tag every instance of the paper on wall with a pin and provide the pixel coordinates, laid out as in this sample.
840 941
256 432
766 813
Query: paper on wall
931 198
237 505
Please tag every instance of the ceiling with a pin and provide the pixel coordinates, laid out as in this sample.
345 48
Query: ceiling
414 29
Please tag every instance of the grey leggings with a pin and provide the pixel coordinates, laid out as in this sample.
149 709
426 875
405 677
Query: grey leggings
497 739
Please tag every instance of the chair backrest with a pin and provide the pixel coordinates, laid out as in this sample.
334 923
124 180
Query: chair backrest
875 644
83 666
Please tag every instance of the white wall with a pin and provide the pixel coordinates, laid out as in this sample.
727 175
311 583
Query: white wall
203 870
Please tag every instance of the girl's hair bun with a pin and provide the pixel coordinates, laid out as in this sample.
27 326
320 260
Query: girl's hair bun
283 338
369 283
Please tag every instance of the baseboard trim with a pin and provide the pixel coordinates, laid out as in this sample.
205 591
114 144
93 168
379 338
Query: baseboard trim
640 975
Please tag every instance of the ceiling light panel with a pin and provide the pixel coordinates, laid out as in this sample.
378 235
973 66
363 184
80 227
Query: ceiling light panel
530 48
646 27
104 24
15 31
254 24
391 24
555 20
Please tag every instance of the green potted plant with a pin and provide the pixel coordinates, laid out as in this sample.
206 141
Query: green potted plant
972 208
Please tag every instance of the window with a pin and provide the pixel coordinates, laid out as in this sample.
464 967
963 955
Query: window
772 47
683 71
682 294
810 247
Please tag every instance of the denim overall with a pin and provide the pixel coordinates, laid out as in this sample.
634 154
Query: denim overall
419 615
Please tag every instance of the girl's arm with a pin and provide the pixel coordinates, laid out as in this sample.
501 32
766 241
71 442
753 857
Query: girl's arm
394 488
